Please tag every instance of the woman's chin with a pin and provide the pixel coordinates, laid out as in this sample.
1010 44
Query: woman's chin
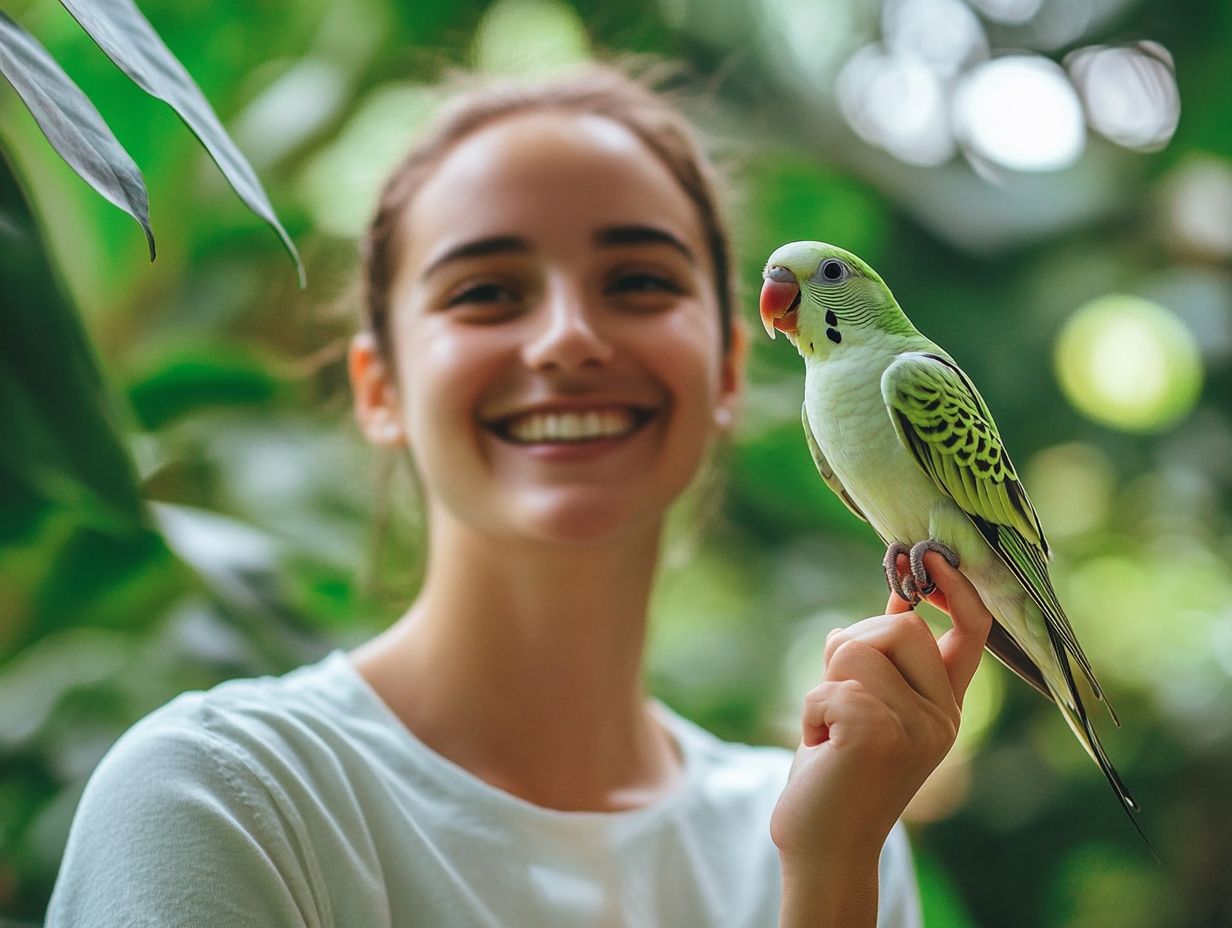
585 516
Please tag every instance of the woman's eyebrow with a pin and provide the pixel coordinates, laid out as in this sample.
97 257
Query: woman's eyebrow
478 248
641 235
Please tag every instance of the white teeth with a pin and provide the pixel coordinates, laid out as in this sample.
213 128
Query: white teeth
538 427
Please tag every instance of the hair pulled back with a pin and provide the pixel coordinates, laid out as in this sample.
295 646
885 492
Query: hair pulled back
600 90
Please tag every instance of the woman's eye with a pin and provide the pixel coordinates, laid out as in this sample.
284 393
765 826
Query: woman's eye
482 293
643 282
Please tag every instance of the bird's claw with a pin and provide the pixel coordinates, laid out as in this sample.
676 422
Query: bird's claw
902 587
923 583
916 584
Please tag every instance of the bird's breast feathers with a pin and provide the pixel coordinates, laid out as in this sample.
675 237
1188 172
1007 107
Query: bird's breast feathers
853 429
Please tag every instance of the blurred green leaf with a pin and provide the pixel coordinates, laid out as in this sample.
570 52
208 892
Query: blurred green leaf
60 423
776 482
32 683
240 375
799 198
196 377
939 898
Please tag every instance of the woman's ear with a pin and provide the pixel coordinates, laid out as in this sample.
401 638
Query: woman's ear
731 381
376 394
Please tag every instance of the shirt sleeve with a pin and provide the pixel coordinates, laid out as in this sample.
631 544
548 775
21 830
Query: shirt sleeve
899 895
176 829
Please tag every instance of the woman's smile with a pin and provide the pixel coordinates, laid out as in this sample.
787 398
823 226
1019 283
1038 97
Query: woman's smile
571 426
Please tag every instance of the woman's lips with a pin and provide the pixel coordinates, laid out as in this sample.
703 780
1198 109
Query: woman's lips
554 427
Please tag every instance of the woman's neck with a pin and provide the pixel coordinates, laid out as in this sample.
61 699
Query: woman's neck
522 662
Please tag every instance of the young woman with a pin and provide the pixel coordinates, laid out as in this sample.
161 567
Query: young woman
550 337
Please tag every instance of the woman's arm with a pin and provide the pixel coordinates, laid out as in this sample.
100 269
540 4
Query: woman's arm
883 717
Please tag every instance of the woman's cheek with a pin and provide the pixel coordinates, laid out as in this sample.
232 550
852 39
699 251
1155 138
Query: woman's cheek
428 381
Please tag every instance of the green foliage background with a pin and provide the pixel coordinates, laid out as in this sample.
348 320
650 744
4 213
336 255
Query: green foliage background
276 535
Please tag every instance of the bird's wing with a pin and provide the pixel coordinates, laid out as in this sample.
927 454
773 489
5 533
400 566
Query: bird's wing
826 471
943 421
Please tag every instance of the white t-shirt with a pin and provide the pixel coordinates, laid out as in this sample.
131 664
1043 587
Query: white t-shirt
303 801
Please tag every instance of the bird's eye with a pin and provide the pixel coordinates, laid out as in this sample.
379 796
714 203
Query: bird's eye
832 270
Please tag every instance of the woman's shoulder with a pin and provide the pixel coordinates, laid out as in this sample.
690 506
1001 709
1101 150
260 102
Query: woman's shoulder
238 728
202 789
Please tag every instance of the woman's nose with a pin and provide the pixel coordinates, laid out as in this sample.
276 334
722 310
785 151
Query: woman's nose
565 337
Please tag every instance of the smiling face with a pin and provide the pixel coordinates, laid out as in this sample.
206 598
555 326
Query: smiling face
556 332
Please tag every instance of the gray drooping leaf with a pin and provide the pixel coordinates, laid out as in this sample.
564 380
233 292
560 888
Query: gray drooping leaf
123 32
71 123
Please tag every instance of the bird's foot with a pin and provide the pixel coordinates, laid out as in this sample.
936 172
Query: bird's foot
920 583
896 583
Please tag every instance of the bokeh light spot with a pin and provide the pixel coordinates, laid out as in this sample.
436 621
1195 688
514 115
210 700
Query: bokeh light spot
1199 206
1100 884
944 33
1072 486
1010 12
529 37
1129 363
1130 93
811 38
896 102
339 184
1020 112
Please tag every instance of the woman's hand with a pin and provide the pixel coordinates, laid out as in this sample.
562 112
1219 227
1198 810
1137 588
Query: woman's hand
883 717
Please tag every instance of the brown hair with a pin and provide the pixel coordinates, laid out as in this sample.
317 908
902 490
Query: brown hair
602 90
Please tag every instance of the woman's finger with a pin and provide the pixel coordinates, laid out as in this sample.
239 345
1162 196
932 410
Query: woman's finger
846 711
962 646
882 677
908 645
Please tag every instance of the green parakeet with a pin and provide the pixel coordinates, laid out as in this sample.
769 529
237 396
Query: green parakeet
900 433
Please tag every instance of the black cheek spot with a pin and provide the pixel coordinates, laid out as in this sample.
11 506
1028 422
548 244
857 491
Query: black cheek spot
811 348
831 319
834 335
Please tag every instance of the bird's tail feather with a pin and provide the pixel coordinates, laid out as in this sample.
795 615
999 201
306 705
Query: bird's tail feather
1075 715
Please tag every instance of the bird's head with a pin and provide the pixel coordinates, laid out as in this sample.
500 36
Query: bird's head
822 297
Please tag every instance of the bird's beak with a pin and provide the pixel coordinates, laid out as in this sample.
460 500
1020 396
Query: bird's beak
780 297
